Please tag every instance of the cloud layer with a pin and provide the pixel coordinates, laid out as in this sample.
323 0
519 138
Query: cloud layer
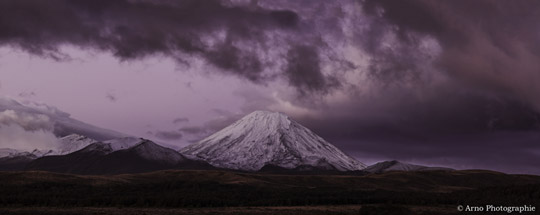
29 122
488 46
308 45
231 37
26 131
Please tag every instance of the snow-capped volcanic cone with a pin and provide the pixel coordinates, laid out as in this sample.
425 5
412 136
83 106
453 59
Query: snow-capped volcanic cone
265 138
14 160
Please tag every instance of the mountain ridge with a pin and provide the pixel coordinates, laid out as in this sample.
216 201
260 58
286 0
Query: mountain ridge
394 165
117 156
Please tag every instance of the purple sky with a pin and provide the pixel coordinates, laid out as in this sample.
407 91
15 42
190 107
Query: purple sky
452 83
131 97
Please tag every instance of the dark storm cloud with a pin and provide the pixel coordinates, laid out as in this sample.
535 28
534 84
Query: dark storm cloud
232 37
472 104
487 45
304 70
450 127
168 135
233 59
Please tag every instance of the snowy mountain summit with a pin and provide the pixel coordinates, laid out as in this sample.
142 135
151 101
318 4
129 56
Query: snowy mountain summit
271 139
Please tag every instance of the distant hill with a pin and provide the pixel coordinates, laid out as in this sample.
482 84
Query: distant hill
117 156
388 166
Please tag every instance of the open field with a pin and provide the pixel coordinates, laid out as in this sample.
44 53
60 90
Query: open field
228 192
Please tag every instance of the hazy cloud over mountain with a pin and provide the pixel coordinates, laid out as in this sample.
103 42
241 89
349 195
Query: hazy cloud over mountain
30 122
26 131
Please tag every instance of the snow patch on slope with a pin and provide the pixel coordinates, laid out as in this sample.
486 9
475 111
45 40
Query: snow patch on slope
73 142
5 152
109 146
12 153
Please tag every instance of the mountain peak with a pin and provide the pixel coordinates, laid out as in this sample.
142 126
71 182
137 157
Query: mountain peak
266 138
266 118
152 151
124 142
109 146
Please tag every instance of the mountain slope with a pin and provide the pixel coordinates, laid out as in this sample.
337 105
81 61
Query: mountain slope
12 159
265 138
16 160
5 152
118 156
388 166
72 143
